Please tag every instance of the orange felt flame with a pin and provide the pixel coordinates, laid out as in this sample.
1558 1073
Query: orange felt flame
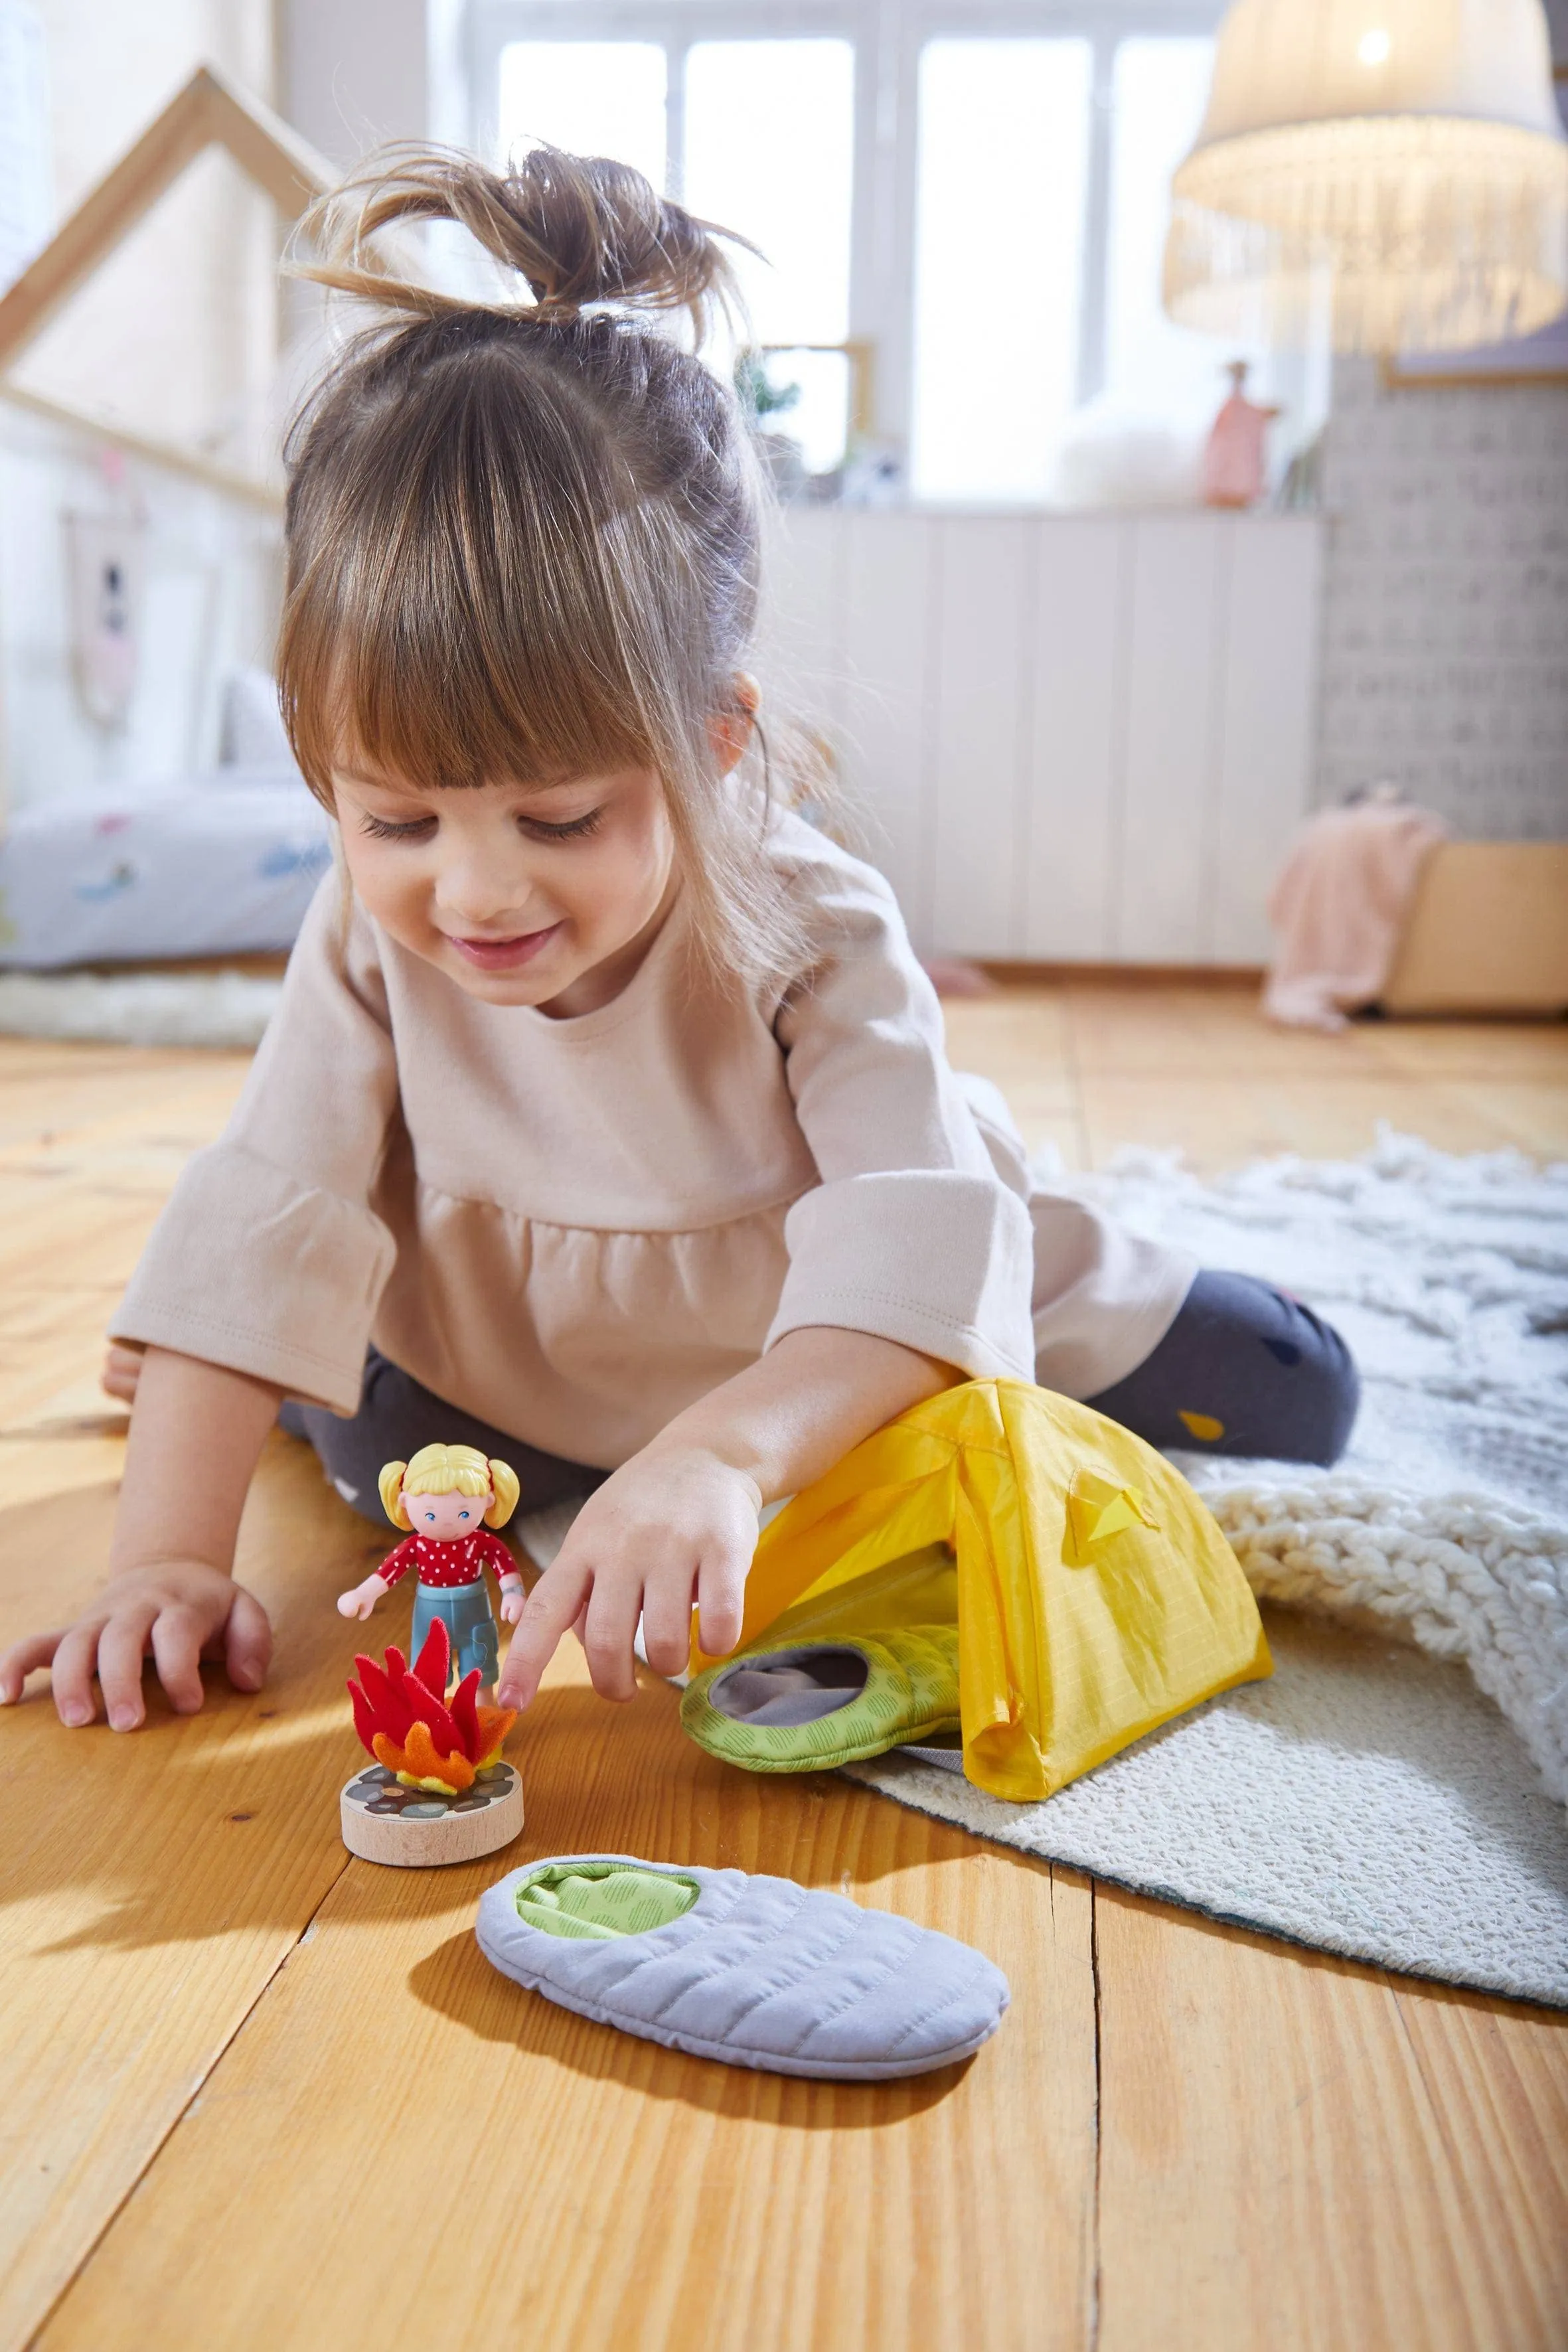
495 1722
417 1759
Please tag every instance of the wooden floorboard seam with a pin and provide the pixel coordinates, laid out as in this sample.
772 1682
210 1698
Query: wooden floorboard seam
1412 2045
220 2051
1094 2276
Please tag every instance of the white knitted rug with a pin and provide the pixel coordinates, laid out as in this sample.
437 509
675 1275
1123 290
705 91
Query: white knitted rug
1369 1799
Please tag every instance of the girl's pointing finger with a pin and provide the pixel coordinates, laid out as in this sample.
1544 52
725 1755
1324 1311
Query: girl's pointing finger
557 1598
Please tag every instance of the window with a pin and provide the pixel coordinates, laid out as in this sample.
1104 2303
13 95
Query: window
770 144
593 98
964 223
770 151
1160 88
763 141
1004 138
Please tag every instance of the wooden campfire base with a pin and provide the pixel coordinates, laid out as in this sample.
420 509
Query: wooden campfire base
418 1829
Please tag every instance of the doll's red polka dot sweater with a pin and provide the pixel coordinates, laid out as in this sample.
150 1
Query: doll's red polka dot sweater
463 1560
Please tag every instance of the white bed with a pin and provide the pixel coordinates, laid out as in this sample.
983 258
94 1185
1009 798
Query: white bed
222 864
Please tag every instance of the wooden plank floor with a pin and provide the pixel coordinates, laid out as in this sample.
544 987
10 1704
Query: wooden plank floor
257 2093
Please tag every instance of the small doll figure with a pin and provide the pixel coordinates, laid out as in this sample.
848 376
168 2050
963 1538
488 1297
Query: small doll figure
447 1496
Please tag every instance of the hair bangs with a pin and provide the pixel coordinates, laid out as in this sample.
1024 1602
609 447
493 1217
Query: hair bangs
447 630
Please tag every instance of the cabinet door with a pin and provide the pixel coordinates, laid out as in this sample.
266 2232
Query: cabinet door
982 592
1162 827
886 745
1075 690
1268 725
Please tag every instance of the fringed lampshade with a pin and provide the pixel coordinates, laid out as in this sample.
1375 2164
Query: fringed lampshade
1389 173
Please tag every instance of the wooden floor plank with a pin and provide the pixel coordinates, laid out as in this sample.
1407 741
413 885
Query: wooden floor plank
1497 2077
406 2136
149 1886
1289 2165
1222 1122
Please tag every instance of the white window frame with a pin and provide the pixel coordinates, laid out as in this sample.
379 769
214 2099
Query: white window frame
888 37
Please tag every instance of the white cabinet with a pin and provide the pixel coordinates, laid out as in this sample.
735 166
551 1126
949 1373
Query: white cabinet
1074 738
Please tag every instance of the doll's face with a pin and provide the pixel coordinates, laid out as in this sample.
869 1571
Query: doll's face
445 1517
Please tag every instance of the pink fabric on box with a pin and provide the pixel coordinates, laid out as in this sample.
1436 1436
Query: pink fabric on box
1339 907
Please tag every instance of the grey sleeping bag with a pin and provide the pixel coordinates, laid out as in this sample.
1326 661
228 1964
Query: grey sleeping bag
756 1971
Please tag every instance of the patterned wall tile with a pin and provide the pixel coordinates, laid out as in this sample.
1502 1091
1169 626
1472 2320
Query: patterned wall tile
1445 655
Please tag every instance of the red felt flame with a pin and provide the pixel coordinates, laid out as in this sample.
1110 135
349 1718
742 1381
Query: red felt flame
433 1666
390 1701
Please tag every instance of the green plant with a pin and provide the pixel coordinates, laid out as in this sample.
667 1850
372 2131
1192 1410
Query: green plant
758 395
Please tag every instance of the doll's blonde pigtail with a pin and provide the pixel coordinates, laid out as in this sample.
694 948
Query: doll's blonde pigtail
389 1486
503 1480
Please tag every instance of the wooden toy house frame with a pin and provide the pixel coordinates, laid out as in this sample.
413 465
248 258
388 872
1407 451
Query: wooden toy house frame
208 111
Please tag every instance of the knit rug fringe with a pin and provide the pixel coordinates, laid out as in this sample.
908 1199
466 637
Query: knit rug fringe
1457 1575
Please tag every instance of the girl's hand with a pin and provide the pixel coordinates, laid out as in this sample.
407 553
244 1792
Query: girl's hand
674 1526
512 1598
362 1599
177 1614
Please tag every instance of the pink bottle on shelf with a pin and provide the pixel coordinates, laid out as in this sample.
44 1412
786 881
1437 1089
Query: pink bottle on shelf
1235 472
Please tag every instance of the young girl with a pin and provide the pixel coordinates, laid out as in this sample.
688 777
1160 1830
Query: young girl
605 1123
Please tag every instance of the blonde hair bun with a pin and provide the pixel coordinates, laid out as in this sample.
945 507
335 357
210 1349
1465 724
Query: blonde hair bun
579 229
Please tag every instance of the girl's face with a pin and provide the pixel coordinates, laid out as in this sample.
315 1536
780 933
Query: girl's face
541 893
445 1517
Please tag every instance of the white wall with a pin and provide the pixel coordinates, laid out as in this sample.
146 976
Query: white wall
212 573
176 335
1070 737
356 72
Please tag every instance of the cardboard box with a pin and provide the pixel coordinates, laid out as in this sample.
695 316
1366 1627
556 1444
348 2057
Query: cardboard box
1487 932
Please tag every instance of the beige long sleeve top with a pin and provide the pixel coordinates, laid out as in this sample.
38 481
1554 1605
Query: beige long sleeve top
574 1228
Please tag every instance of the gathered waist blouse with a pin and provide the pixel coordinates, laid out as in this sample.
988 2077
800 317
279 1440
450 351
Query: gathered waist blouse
574 1228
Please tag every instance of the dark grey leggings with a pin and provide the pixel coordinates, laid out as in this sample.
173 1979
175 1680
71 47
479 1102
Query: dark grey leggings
396 1416
1244 1368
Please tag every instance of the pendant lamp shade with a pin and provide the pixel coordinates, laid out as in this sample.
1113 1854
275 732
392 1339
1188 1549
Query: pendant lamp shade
1388 174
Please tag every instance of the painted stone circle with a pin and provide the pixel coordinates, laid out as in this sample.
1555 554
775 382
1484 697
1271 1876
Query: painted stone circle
380 1791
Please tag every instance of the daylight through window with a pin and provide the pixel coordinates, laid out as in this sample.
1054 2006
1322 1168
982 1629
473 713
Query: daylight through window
970 274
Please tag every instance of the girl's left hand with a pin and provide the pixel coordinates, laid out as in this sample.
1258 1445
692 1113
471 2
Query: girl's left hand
673 1529
512 1597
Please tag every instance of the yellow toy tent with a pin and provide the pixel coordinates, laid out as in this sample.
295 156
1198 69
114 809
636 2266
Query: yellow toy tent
1094 1595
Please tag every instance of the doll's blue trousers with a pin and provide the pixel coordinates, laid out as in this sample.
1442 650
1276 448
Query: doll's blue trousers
470 1625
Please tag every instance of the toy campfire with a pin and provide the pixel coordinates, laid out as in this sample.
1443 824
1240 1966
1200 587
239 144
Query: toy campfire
439 1790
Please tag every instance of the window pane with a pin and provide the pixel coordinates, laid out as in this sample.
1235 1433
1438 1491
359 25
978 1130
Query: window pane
1003 143
770 151
1160 88
814 407
593 98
